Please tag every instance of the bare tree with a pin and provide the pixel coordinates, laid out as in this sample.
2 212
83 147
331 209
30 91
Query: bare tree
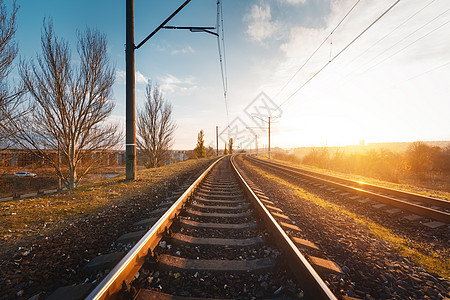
200 149
70 106
9 99
155 128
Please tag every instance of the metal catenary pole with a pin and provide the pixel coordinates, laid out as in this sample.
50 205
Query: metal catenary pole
130 100
130 81
269 137
58 189
130 78
217 140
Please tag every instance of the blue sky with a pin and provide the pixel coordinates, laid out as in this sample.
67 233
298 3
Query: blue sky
364 94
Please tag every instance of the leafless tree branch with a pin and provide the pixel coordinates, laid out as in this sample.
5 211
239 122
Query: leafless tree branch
155 128
10 100
70 106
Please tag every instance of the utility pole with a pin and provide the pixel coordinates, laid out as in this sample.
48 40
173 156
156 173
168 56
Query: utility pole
256 144
269 137
130 100
58 189
217 140
269 120
130 141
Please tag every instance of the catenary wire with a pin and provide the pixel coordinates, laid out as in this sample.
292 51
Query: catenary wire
317 49
222 58
340 52
393 30
409 45
429 71
401 40
223 47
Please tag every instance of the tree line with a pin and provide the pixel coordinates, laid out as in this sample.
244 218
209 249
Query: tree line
201 151
64 104
419 161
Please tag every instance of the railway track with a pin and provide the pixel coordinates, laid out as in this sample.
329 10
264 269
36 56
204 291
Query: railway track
432 208
219 239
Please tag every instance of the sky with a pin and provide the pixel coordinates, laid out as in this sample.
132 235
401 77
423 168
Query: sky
390 85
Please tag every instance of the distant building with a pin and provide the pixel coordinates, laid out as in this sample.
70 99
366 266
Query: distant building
177 155
11 158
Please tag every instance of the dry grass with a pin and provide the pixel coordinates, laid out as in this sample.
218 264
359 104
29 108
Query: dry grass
404 187
25 220
431 261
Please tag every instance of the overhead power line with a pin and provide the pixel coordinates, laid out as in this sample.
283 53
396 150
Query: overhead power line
409 45
393 30
429 71
401 40
340 52
222 58
315 51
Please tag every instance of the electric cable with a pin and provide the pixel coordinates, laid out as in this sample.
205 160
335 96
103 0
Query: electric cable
429 71
317 49
223 46
340 52
393 30
404 38
222 58
409 45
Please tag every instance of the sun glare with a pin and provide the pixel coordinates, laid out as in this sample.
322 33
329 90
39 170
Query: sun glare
333 130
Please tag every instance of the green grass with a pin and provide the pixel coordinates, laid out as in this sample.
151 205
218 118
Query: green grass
431 261
22 221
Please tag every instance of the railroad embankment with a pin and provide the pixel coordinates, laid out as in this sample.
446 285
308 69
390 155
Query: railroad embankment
24 221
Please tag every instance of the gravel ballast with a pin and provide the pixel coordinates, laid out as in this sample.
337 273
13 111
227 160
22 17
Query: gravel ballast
57 258
373 269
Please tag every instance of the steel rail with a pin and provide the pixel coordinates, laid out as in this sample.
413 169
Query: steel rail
411 196
308 278
127 268
422 210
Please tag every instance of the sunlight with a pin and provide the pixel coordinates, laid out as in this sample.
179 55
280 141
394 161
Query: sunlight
336 129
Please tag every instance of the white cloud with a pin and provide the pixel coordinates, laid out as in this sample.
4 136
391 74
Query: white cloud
171 84
139 77
294 2
185 50
369 83
260 25
362 55
120 75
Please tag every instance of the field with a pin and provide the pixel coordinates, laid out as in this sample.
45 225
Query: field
23 221
421 167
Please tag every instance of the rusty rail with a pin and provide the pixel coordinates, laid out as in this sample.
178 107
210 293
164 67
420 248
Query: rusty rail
127 268
313 285
349 186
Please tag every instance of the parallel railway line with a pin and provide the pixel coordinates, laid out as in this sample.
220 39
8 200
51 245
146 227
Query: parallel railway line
433 208
223 238
218 239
